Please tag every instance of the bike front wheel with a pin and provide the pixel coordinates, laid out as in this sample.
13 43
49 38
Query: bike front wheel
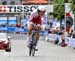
30 51
33 52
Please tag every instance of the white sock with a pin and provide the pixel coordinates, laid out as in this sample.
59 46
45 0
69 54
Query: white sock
28 39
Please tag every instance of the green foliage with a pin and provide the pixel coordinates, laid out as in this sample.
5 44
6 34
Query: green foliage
59 11
73 1
68 1
73 6
58 1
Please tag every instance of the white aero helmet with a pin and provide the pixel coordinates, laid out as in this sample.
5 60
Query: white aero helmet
42 8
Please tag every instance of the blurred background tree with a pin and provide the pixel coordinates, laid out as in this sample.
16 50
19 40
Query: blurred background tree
68 1
73 6
58 1
59 11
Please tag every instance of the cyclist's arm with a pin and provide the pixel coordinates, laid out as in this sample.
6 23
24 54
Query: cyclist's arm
31 17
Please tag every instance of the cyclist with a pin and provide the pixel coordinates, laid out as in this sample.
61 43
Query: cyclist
36 17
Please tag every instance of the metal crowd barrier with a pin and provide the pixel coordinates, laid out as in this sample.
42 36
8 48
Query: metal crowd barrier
70 41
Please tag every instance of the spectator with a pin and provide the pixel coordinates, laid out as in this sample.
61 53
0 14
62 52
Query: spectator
73 36
17 25
63 40
24 21
70 33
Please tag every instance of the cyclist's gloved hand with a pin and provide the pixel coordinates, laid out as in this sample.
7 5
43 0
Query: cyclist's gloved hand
38 25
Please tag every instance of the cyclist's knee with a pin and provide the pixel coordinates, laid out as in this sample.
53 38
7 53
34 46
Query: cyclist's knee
30 25
29 28
37 28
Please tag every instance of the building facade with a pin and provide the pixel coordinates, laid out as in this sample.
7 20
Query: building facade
10 2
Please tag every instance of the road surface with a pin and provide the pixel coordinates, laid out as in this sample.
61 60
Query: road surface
47 51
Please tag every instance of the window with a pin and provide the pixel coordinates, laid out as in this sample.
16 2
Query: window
4 3
12 3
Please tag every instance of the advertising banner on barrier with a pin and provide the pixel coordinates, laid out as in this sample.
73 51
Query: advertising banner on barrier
3 20
3 28
22 8
12 20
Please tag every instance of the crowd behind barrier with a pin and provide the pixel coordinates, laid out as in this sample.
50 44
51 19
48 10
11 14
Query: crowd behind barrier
70 41
52 37
13 29
17 30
